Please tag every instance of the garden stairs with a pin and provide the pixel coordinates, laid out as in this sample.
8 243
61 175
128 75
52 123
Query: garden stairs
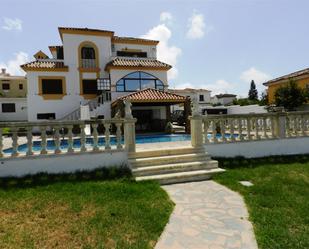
173 165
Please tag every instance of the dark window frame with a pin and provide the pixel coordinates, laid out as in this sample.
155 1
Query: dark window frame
159 85
140 54
8 87
8 107
48 90
88 53
201 98
93 90
21 86
46 116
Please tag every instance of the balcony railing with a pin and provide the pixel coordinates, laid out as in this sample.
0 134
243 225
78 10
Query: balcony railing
89 63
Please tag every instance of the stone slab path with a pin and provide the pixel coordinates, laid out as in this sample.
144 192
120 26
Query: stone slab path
207 215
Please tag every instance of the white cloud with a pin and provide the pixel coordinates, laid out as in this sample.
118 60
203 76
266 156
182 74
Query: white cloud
13 65
220 86
12 24
197 27
184 85
252 73
166 17
165 52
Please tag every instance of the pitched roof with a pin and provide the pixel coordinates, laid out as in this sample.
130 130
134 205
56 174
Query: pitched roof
133 40
152 95
44 65
85 31
225 95
51 48
288 76
124 62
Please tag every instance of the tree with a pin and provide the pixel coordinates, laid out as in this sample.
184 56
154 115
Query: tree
264 98
290 96
253 93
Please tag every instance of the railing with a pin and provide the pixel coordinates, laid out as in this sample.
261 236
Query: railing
89 63
66 137
248 127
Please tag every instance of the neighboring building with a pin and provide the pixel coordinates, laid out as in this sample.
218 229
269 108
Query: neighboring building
300 77
13 102
92 63
234 109
12 86
201 95
223 99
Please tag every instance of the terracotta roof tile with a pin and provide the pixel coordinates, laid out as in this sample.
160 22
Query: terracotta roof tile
152 95
136 62
44 64
287 76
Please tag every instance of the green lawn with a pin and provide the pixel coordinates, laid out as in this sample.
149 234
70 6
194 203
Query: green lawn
82 214
278 202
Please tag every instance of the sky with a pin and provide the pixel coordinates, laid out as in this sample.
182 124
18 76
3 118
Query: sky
220 45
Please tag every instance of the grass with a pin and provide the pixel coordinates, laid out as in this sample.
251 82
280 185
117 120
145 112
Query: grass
278 203
73 211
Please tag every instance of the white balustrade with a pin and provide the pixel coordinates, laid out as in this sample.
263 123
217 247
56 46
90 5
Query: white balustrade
52 135
251 127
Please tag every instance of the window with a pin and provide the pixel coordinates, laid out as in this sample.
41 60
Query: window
48 116
132 54
21 86
90 86
52 86
138 81
201 97
8 107
5 86
88 53
104 84
59 51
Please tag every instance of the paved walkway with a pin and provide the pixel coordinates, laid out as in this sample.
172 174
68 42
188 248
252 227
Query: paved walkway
207 216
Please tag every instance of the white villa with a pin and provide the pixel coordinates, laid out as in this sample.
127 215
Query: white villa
95 68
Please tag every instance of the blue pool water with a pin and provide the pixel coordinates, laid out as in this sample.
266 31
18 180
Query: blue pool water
140 139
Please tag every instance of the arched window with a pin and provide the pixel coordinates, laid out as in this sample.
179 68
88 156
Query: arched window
88 53
138 81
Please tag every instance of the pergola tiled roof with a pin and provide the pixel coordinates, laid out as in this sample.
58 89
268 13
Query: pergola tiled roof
150 95
121 62
288 76
44 65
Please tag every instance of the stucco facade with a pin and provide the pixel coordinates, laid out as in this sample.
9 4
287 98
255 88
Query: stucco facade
75 71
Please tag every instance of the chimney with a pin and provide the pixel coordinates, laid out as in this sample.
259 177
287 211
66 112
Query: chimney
3 71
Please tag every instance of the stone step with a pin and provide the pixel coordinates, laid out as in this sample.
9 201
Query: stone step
173 168
151 161
190 176
165 152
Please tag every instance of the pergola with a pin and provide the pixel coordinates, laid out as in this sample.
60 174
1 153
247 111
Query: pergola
153 97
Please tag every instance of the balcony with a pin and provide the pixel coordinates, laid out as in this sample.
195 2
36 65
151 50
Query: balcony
89 63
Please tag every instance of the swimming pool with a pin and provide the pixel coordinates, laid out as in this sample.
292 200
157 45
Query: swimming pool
140 139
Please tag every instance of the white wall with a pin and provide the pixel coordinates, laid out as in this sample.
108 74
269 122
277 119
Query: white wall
287 146
71 43
237 109
36 103
61 163
20 113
